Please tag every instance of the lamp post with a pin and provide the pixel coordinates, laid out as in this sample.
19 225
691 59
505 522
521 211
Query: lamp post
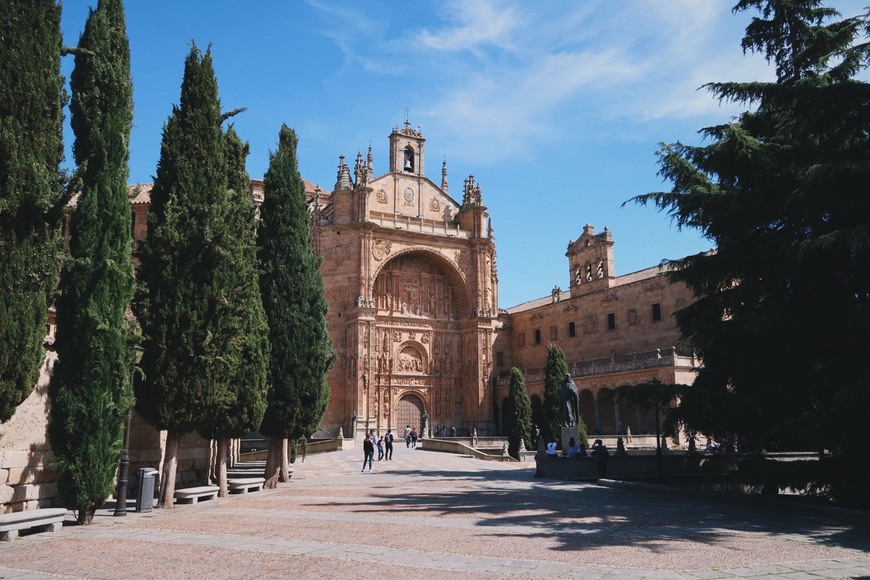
121 491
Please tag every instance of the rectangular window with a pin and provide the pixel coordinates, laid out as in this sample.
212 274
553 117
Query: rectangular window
572 329
499 358
611 321
537 336
657 312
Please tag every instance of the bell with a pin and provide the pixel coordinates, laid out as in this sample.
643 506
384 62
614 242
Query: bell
408 166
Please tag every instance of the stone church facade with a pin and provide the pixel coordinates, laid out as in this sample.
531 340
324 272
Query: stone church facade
411 283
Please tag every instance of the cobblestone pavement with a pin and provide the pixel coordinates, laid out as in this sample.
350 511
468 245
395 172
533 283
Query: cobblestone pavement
433 515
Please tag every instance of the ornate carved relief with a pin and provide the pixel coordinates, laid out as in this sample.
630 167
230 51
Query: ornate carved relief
590 324
434 204
632 316
410 361
338 254
382 196
381 249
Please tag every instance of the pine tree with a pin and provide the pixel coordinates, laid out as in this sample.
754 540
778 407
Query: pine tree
244 334
554 376
295 305
782 321
31 194
185 303
520 418
90 389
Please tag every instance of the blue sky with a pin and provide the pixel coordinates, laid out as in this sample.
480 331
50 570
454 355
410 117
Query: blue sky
556 108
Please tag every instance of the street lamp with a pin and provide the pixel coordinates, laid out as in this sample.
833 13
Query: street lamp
121 492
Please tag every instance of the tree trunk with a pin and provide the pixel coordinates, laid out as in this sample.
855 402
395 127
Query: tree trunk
86 514
221 466
285 462
170 466
273 457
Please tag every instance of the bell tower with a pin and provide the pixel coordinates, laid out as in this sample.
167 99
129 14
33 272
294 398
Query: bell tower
590 260
406 150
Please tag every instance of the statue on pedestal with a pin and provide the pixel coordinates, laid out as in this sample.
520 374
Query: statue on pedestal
569 402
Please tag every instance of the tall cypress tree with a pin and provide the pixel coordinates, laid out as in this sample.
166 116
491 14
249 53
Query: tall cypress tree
244 334
90 389
520 415
293 297
554 375
31 193
184 300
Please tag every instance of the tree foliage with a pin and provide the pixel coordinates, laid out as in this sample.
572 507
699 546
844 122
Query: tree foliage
520 414
783 312
554 375
294 300
244 334
199 309
32 199
90 389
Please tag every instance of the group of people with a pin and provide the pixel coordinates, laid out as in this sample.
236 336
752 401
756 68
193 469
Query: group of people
384 445
575 449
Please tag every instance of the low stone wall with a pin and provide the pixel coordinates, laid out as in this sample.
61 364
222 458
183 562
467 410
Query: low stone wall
456 445
646 466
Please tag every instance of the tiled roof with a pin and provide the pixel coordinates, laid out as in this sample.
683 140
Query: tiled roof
140 193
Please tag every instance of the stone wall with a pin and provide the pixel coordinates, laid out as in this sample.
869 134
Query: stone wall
26 480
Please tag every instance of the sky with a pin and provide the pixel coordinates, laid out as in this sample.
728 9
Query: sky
557 108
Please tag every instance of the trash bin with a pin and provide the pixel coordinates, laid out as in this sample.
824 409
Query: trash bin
145 495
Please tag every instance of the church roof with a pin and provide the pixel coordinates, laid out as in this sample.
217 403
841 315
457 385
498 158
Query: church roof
639 276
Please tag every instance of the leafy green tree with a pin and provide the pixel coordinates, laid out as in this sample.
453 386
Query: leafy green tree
520 414
554 376
32 199
295 305
782 319
90 389
244 334
186 305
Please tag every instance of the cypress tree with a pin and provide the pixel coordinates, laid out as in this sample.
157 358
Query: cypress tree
184 299
31 189
244 334
554 375
520 415
295 305
90 389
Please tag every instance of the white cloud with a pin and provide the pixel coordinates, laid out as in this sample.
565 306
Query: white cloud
472 25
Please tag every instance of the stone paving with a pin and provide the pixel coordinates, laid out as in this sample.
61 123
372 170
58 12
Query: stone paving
433 515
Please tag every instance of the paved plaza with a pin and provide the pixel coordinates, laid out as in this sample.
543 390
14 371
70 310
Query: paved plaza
432 515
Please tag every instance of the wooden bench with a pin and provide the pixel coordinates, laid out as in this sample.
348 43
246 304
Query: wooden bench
244 485
196 494
45 519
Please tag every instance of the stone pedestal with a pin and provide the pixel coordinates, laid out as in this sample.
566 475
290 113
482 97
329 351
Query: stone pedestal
567 433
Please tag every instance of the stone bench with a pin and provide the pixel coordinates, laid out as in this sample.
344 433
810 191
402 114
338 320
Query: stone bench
195 494
45 519
245 484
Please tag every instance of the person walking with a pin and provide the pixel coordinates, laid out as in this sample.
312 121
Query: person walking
388 444
369 453
407 435
380 448
413 437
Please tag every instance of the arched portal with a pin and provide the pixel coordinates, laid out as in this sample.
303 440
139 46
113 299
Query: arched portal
420 299
409 411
